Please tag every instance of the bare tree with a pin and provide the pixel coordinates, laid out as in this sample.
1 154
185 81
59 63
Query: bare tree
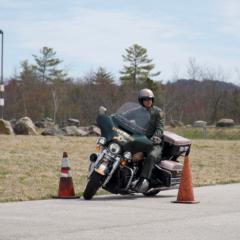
237 70
55 104
193 69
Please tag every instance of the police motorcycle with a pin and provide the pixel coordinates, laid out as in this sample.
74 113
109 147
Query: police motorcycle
119 157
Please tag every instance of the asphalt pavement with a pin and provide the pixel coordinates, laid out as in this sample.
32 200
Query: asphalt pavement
115 217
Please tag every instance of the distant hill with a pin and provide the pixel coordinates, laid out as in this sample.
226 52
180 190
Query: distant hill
189 100
203 83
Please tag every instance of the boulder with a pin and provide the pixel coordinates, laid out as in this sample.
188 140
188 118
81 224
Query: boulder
73 122
48 119
25 126
45 123
13 122
200 124
6 127
225 122
53 132
40 124
74 131
92 130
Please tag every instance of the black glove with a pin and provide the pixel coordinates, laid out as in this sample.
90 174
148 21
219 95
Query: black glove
156 140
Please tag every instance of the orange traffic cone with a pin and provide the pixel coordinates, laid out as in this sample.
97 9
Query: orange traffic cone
66 189
185 192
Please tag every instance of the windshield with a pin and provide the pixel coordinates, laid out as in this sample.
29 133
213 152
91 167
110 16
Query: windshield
134 115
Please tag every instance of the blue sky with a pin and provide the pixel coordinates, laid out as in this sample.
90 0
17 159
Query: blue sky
93 33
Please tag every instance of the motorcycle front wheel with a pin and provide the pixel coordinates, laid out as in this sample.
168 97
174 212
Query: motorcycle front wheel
94 183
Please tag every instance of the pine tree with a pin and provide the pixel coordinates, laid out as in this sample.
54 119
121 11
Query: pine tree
139 68
27 73
46 66
102 77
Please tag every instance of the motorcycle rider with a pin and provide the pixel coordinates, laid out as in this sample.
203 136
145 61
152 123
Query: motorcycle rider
154 131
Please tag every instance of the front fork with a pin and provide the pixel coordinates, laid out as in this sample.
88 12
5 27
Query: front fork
114 167
102 165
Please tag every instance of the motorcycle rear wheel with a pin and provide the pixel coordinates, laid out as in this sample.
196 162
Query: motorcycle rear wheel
94 183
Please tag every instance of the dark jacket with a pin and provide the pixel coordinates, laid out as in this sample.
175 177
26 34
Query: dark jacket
156 123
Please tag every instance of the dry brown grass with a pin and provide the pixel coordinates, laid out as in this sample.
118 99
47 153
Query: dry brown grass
30 165
215 161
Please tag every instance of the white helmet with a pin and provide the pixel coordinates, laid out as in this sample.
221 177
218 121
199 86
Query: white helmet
145 94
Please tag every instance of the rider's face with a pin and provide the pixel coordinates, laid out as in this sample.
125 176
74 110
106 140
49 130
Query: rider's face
147 103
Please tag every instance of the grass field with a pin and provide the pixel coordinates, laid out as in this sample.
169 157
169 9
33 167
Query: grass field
209 132
30 165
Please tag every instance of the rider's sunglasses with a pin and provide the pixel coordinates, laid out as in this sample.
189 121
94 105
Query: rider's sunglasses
147 99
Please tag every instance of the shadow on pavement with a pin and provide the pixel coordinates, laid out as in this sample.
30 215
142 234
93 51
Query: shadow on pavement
125 197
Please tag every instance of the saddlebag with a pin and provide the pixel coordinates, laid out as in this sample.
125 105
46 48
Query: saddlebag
174 146
168 172
163 175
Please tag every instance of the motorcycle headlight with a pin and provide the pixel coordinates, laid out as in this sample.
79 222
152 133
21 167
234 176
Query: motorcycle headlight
114 148
127 156
101 141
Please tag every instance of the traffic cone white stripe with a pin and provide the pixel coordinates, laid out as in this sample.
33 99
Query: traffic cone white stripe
66 175
65 163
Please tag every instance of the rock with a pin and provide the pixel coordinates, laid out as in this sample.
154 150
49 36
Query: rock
48 119
13 122
74 131
73 122
45 123
25 126
200 124
6 127
92 130
225 122
40 124
53 132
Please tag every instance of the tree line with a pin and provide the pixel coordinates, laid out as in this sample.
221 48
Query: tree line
43 90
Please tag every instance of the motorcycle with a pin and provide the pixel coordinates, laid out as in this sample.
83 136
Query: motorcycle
120 154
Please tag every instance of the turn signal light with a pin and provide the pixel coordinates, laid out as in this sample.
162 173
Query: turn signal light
98 148
123 162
